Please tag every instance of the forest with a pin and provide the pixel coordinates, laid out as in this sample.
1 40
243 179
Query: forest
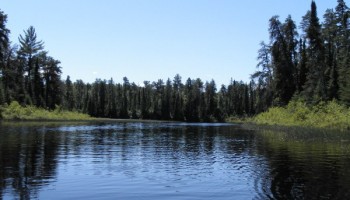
309 62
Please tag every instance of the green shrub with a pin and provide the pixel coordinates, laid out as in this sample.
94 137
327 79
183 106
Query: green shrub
297 113
15 111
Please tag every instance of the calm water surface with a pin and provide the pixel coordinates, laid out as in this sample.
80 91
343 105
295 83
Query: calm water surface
134 160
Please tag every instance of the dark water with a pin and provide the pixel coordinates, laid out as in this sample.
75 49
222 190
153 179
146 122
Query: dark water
171 161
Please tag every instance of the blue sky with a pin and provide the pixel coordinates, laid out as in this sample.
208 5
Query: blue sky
153 39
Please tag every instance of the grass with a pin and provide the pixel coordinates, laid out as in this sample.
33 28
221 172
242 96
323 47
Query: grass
15 111
331 115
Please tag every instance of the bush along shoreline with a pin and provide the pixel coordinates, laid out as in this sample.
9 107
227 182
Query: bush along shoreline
330 115
15 111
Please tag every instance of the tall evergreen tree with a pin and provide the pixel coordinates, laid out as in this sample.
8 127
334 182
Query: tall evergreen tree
29 48
343 52
283 53
52 78
167 101
329 32
145 101
124 112
2 94
111 108
315 88
264 78
4 39
302 69
4 57
79 94
38 85
69 95
177 98
210 100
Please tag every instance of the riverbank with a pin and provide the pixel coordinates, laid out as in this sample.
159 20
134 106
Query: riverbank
330 115
15 111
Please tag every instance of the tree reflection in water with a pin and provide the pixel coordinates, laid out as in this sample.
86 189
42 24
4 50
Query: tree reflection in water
305 164
196 158
28 159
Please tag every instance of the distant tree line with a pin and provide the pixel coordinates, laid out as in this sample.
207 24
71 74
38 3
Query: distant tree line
313 65
192 100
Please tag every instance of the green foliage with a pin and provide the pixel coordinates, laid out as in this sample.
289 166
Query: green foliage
15 111
297 113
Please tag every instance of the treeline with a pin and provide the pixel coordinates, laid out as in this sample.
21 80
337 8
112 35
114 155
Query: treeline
30 76
193 100
313 65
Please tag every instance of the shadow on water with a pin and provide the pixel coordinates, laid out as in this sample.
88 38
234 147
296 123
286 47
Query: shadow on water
304 164
28 160
171 160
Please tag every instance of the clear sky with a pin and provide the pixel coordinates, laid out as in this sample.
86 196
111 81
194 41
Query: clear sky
153 39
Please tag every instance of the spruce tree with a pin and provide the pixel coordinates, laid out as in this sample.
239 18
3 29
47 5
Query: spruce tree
52 78
343 53
38 85
302 69
329 32
69 94
283 54
166 101
178 98
4 39
315 88
4 56
111 107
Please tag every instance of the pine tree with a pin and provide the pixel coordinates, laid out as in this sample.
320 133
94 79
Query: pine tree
2 94
101 98
124 112
343 53
264 78
177 98
189 107
315 88
329 32
283 53
210 100
145 105
29 48
198 99
52 78
166 101
4 57
111 108
79 94
4 39
69 95
302 69
157 98
38 85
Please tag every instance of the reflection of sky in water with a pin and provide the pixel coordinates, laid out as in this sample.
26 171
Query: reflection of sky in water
160 166
136 125
86 128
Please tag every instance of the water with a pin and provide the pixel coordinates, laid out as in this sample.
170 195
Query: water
134 160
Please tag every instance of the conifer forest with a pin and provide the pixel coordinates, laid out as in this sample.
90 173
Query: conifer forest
309 60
